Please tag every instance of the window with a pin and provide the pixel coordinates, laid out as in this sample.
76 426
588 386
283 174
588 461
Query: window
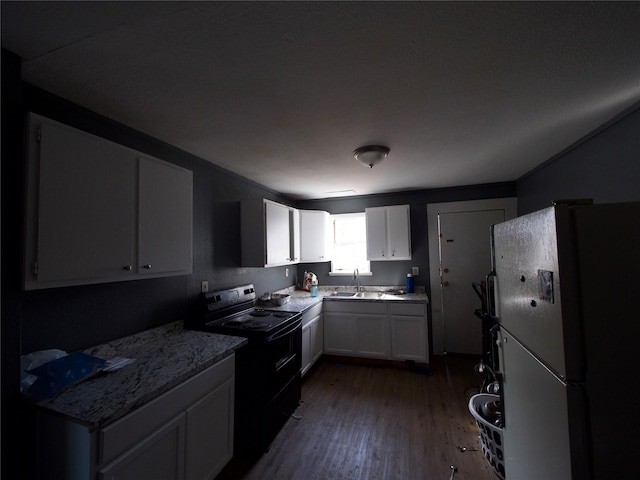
349 244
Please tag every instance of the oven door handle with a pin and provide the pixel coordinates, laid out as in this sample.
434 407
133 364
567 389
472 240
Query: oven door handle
286 332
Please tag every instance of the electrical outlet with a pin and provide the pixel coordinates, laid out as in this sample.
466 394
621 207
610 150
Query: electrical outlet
204 287
415 271
286 272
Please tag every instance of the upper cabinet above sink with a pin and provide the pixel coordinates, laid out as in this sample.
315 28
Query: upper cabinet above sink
388 233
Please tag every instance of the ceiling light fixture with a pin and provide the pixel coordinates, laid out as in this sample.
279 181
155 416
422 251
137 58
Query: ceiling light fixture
371 155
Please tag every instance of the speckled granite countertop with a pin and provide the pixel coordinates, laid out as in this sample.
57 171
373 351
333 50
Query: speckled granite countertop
165 357
301 300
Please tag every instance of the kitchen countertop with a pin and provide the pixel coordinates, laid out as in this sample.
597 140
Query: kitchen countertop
301 300
165 357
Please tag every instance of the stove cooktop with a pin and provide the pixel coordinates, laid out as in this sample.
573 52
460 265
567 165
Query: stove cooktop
257 319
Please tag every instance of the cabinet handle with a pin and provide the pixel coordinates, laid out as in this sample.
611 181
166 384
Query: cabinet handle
127 268
147 266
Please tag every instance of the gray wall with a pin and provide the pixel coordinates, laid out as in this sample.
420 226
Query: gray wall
395 272
605 166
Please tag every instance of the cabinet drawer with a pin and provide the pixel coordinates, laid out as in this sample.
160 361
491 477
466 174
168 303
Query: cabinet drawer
131 429
413 309
356 306
311 314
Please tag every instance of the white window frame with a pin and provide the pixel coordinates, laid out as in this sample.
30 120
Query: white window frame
364 267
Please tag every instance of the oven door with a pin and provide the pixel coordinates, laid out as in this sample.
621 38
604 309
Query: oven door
285 356
266 365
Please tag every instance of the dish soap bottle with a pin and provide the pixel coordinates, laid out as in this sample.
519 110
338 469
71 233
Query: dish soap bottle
314 288
409 283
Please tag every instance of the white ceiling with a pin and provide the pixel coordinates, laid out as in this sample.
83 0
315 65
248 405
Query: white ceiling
282 92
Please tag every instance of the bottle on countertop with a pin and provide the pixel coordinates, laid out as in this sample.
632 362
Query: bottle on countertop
314 288
409 283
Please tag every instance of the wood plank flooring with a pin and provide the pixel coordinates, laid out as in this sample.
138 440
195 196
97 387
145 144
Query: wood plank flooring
363 422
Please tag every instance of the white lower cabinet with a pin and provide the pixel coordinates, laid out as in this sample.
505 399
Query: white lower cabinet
312 336
372 336
409 331
158 456
384 330
185 434
339 334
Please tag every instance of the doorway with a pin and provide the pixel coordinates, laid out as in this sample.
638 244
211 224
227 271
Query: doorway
460 254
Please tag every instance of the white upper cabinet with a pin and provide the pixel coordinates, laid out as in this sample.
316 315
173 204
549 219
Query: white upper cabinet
315 236
388 233
165 218
269 234
97 212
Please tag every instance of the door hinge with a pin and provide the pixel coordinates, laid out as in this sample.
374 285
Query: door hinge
35 268
39 135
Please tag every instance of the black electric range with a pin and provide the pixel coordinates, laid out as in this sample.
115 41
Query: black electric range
268 379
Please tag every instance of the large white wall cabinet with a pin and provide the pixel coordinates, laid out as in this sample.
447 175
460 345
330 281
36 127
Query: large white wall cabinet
185 434
388 233
315 236
100 212
270 234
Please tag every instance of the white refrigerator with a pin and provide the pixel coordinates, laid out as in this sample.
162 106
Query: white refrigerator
567 298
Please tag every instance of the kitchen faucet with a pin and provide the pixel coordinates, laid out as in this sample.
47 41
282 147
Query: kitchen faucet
356 277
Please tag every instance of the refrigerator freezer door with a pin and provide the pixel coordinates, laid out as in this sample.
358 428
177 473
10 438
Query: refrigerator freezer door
539 412
529 289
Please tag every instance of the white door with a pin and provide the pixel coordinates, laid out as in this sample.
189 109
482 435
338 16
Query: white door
465 257
455 328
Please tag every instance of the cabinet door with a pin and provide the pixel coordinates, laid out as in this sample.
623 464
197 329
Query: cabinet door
277 234
165 218
294 235
314 236
399 232
409 338
209 437
376 233
317 338
86 208
373 337
339 334
306 348
161 455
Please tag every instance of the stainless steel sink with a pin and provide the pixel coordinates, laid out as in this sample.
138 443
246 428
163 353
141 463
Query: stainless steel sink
361 295
369 295
343 294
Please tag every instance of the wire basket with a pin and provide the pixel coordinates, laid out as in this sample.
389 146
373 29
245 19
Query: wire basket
491 436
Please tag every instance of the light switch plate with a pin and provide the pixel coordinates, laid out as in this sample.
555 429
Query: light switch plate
204 287
415 271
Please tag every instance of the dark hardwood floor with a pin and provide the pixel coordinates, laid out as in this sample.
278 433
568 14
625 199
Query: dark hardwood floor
363 422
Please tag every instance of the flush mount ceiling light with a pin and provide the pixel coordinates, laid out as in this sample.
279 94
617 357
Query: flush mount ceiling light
371 155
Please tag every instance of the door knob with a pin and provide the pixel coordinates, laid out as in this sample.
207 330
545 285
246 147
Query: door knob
147 266
446 270
445 284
